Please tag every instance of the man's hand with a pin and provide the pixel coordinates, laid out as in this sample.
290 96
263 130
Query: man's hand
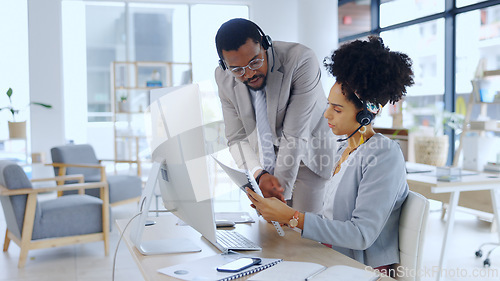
271 187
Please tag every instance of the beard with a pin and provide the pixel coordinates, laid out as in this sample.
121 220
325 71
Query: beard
261 86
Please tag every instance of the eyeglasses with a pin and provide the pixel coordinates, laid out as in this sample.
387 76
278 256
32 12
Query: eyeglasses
253 65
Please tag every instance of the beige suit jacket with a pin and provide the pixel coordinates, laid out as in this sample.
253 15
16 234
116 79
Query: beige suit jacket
295 106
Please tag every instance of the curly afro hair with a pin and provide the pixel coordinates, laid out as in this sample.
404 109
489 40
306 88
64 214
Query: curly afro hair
370 69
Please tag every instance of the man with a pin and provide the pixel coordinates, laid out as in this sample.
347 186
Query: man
273 105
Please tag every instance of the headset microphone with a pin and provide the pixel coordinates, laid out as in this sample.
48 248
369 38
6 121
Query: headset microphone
364 117
344 139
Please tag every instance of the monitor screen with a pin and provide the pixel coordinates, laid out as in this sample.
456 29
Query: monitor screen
179 159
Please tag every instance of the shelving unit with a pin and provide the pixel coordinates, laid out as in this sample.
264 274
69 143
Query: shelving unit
474 98
477 202
130 86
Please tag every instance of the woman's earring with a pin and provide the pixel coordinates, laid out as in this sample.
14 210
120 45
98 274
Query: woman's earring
362 131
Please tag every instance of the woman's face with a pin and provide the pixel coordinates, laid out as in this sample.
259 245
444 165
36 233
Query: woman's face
341 113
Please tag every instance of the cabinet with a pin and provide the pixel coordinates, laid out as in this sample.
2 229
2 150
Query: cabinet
130 86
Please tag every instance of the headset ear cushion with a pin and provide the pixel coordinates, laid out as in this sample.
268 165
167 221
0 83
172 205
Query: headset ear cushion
364 117
222 64
266 42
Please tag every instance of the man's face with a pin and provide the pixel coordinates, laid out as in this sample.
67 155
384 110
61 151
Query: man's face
244 57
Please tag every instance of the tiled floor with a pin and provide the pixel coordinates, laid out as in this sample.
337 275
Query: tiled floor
87 261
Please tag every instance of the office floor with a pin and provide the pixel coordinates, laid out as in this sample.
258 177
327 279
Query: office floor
87 261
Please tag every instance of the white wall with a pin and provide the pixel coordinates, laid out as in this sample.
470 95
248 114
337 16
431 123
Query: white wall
45 71
74 59
312 23
318 29
13 61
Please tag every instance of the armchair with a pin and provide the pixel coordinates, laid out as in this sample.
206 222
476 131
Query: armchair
62 221
81 159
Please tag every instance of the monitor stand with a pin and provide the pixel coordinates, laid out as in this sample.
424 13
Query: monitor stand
156 247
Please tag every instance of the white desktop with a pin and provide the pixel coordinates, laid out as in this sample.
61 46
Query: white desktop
180 170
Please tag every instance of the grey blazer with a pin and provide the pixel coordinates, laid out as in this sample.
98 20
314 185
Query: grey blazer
366 205
295 106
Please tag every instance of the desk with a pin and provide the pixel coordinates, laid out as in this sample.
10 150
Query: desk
291 247
424 183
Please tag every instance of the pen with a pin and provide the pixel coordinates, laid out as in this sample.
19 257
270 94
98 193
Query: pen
314 274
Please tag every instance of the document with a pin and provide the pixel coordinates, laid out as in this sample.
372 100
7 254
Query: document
243 179
300 271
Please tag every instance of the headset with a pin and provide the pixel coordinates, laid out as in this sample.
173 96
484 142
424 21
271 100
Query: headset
364 118
266 43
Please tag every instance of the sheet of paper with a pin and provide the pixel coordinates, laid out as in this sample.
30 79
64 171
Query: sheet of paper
345 273
288 270
236 217
240 177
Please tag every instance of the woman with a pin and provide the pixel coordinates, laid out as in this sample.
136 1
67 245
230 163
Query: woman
360 214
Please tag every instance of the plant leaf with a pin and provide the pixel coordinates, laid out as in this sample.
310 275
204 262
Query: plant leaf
9 92
42 104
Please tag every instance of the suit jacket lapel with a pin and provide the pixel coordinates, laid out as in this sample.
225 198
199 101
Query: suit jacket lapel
273 89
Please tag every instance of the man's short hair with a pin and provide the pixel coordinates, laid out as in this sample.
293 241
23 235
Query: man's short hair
235 33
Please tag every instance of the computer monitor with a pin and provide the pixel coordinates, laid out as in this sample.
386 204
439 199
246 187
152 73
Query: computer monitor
179 167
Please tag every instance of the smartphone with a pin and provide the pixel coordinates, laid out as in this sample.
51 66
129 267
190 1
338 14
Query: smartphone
249 185
239 264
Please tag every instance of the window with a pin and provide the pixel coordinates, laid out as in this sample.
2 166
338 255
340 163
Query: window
462 3
424 44
478 41
397 11
417 27
354 18
105 43
123 31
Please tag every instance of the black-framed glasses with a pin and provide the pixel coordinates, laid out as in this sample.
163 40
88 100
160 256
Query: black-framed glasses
253 65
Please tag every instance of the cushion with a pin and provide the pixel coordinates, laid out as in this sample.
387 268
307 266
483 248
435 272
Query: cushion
69 215
75 154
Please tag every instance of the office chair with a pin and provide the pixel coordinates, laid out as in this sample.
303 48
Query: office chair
479 253
66 220
412 223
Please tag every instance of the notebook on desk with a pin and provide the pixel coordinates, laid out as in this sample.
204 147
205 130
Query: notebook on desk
300 271
205 268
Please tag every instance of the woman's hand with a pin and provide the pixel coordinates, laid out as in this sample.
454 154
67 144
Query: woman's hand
272 209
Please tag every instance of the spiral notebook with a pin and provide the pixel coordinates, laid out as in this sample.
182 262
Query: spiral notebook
206 268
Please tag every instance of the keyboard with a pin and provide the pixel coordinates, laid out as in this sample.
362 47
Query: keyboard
232 240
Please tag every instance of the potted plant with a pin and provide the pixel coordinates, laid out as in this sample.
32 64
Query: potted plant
17 129
433 150
122 104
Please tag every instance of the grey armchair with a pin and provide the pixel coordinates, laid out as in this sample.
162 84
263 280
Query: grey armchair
81 159
62 221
